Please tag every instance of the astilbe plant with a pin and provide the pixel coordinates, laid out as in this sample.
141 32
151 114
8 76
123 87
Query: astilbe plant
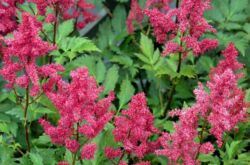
82 115
133 129
223 107
180 28
8 9
80 10
21 53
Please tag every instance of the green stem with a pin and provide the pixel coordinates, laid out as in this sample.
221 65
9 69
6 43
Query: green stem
201 137
26 127
172 90
77 138
55 28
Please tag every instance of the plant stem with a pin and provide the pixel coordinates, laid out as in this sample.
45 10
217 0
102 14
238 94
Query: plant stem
201 137
171 93
172 90
77 138
123 154
26 127
55 28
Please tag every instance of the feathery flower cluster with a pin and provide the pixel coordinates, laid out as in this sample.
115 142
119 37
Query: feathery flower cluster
227 104
62 5
63 163
69 9
223 108
82 13
8 21
136 14
21 52
134 127
185 22
181 144
112 153
80 111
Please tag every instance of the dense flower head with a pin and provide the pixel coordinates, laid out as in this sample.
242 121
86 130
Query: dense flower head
8 21
134 127
123 163
63 163
223 107
72 145
134 14
78 106
21 52
230 55
227 106
143 163
80 10
163 23
88 151
186 22
112 153
61 5
181 144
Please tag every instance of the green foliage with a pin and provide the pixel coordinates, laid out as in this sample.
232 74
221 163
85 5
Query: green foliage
126 92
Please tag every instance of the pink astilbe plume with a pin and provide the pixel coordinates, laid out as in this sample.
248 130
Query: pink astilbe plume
79 108
61 5
135 14
134 127
21 52
8 21
223 107
186 22
228 107
63 163
80 10
112 153
180 145
88 151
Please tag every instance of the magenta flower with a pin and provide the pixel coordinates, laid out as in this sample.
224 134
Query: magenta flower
8 21
112 153
80 110
134 127
21 53
134 14
79 10
88 151
63 163
223 107
185 22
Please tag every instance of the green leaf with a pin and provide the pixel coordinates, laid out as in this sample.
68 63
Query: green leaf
247 97
119 19
36 159
100 71
209 158
123 60
65 29
111 79
77 45
81 45
188 71
87 61
147 46
42 140
126 92
204 64
143 58
246 27
237 6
